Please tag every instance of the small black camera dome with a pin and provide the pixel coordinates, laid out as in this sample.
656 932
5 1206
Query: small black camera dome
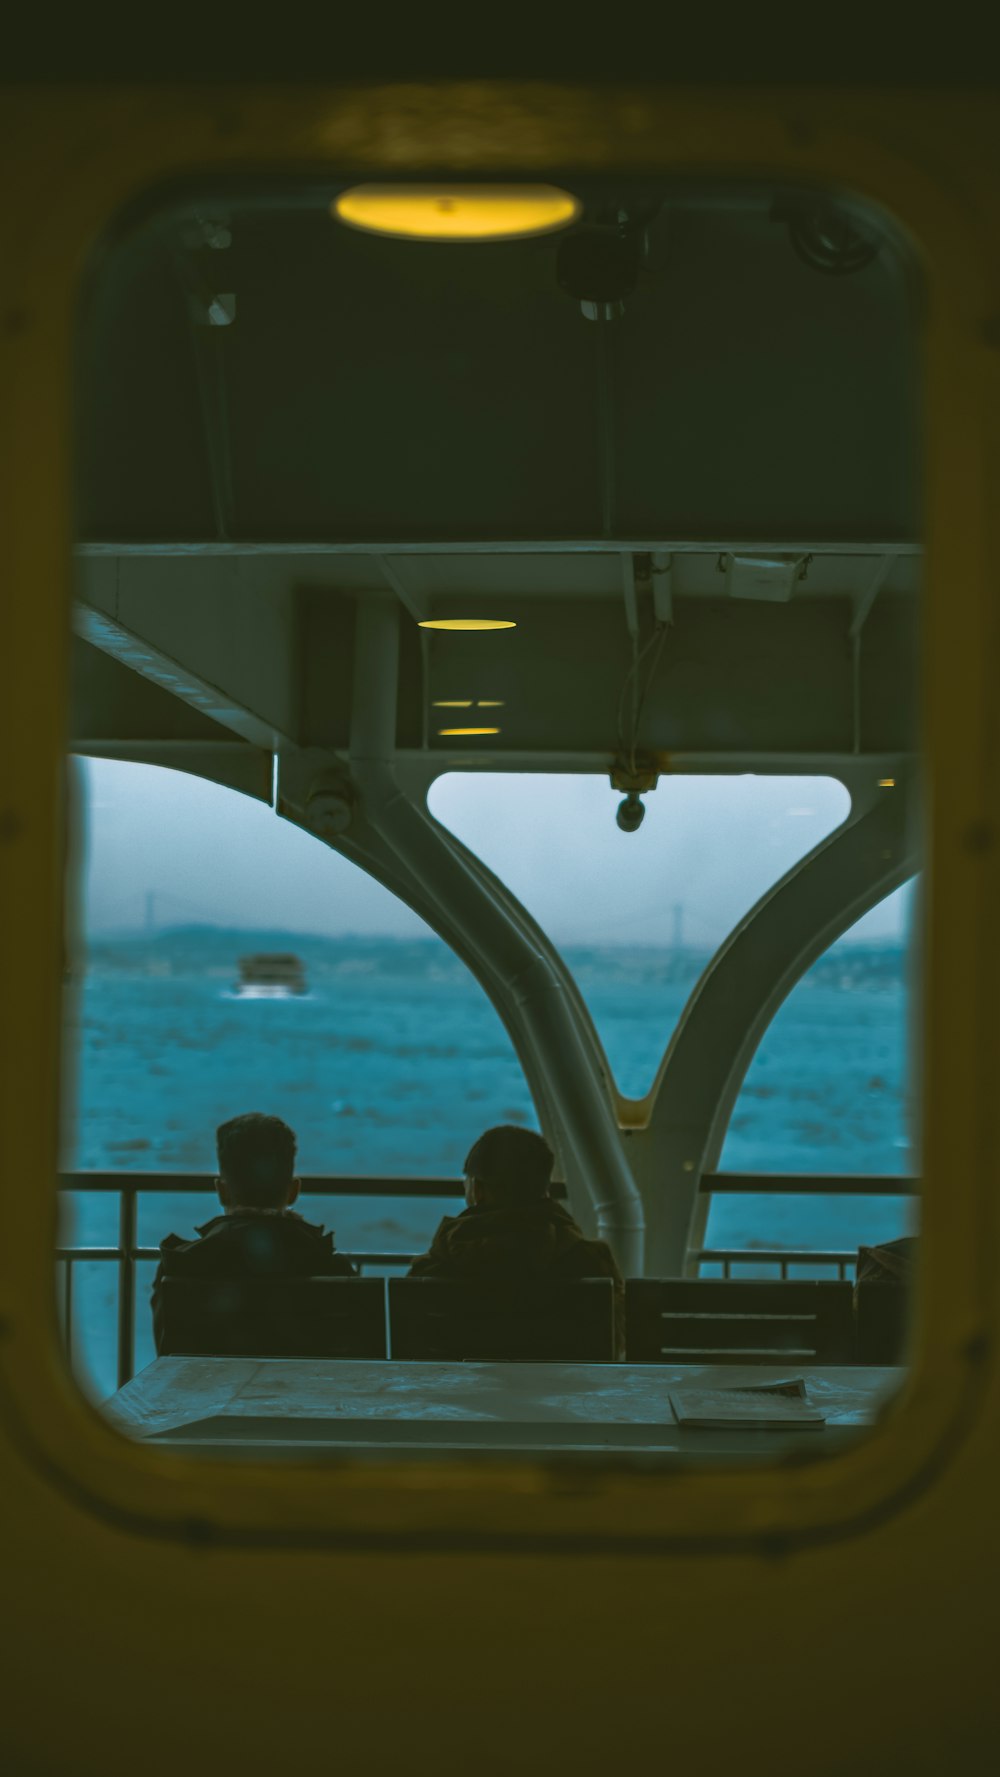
631 813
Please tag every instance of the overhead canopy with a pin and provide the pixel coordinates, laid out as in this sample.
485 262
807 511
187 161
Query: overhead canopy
279 415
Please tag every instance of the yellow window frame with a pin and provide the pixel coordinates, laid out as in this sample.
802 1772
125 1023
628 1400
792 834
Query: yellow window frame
78 159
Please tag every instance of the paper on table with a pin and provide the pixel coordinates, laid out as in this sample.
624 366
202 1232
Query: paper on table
767 1406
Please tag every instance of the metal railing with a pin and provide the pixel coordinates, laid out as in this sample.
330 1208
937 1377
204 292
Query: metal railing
129 1186
809 1184
793 1184
782 1257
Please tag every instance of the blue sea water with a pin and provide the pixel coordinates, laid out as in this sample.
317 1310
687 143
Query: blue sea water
395 1060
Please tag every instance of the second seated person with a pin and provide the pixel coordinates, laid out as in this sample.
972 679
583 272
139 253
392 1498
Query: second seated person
259 1234
512 1228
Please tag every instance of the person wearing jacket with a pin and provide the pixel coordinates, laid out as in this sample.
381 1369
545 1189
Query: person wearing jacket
512 1228
259 1234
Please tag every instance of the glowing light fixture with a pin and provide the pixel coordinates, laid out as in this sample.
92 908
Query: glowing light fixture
887 783
466 623
456 212
489 703
450 731
453 703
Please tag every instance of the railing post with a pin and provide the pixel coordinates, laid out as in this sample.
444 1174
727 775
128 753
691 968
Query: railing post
68 1308
126 1284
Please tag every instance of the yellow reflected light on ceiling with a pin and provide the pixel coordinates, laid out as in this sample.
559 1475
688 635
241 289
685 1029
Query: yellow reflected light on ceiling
456 212
451 731
489 703
453 703
466 623
887 783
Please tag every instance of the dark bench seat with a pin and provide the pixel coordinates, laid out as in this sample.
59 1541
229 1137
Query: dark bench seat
678 1320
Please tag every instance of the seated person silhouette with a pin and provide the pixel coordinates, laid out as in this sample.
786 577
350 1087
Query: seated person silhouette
882 1288
512 1228
259 1234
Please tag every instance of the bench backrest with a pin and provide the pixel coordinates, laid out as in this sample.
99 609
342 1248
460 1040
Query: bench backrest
272 1317
683 1320
882 1315
449 1320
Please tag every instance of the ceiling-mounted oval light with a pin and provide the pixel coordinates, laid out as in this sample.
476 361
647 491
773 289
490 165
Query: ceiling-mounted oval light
465 731
456 212
467 623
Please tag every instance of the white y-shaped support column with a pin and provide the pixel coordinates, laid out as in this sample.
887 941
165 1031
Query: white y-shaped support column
701 1073
521 973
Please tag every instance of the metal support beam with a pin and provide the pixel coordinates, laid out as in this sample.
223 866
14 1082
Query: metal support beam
739 994
222 642
210 369
541 1009
629 595
862 611
364 846
513 545
863 605
607 460
410 600
209 318
663 586
233 763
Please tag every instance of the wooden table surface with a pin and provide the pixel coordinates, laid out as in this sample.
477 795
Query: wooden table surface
314 1404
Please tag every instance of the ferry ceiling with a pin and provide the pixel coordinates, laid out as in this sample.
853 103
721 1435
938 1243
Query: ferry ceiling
672 442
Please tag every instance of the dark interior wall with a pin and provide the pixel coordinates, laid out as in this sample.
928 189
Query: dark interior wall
376 390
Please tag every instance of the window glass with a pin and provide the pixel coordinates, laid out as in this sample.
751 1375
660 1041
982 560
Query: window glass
515 516
637 916
388 1065
830 1091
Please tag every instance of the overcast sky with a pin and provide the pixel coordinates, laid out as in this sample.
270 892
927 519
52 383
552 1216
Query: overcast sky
709 847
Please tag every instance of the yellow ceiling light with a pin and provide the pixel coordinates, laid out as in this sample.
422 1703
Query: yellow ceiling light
463 731
887 783
456 212
489 703
453 703
466 623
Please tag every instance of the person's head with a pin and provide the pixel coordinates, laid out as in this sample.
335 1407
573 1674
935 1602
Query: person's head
508 1167
256 1163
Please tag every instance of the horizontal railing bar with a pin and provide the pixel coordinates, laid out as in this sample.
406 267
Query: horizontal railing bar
84 1253
765 1184
708 1255
151 1253
314 1185
773 1255
810 1184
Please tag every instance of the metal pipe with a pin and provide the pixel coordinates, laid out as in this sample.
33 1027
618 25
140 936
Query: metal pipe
126 1286
605 425
68 1308
556 1059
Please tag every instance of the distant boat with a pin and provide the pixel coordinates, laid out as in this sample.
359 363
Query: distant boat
270 975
